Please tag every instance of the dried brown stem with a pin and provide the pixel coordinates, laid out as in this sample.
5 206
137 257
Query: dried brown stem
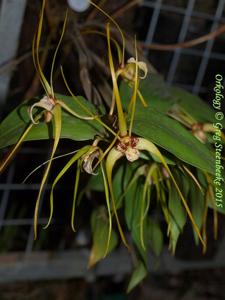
13 63
187 44
10 65
119 12
94 12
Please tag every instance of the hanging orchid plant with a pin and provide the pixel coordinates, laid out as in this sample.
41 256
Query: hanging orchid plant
158 141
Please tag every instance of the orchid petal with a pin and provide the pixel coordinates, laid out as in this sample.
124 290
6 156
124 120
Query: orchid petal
141 65
57 133
144 144
76 156
113 156
45 103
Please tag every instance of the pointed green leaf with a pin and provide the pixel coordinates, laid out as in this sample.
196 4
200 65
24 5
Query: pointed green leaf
100 229
194 106
178 218
154 90
155 236
95 182
130 202
171 136
138 275
135 222
197 208
161 96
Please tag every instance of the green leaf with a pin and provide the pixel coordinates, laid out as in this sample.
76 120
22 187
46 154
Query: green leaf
122 175
100 229
95 182
173 137
119 181
138 275
73 128
154 90
197 208
161 96
185 182
155 236
194 106
57 112
178 218
136 205
131 176
130 202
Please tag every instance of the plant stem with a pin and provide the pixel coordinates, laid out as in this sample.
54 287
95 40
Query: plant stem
121 118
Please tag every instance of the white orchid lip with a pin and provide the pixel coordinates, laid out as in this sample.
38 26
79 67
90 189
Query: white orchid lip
48 104
141 65
89 158
128 72
127 146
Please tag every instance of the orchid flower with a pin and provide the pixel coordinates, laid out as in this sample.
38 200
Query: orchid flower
198 129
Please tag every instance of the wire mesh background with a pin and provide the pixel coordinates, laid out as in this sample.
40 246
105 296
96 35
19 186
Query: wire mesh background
192 69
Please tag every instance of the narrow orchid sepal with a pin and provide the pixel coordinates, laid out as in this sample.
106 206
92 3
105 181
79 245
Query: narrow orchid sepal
121 118
71 162
144 208
13 152
146 145
107 197
57 132
113 156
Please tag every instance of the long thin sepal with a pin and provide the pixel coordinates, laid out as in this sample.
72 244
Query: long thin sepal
113 156
118 27
72 112
35 50
45 163
56 52
144 206
76 185
121 117
193 178
146 145
57 133
103 34
107 197
97 119
72 161
10 156
135 90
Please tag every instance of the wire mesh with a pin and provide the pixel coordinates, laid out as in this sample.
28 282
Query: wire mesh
207 53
